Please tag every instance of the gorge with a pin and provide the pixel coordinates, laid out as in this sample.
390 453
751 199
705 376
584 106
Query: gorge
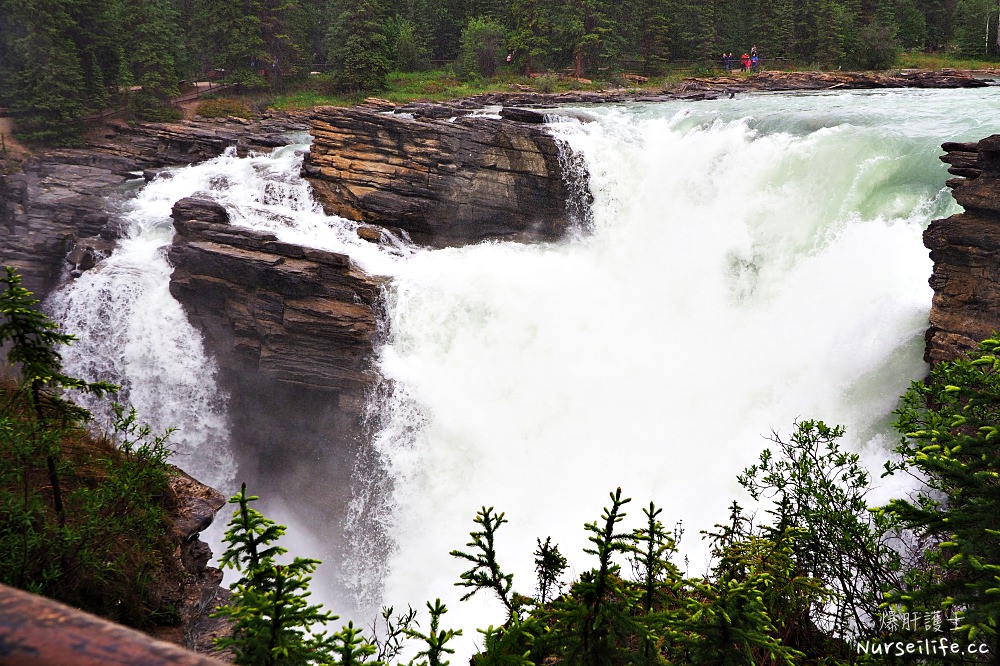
747 262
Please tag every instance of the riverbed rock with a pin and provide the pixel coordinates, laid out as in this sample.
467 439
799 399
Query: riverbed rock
444 182
965 249
767 81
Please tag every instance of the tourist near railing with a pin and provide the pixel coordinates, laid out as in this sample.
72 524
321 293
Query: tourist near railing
35 631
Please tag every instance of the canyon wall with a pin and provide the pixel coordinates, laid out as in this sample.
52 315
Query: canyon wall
965 249
293 331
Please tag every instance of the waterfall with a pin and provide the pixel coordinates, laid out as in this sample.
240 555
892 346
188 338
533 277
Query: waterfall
132 332
750 262
745 263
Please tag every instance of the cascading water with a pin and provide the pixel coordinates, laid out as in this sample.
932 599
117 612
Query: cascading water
130 329
751 262
747 262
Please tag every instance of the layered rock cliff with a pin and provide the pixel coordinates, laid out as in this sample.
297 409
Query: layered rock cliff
286 314
965 249
445 182
293 331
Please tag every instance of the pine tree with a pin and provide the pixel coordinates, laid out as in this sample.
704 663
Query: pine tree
772 26
654 36
99 34
357 44
152 41
34 341
228 35
530 40
651 562
436 639
549 567
485 573
51 88
911 23
950 427
593 623
726 621
273 622
975 27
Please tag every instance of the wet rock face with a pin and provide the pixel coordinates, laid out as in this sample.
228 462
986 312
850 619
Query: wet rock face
297 316
446 182
200 590
48 207
965 249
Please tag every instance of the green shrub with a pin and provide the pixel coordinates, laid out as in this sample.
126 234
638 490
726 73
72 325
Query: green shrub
481 48
546 83
950 426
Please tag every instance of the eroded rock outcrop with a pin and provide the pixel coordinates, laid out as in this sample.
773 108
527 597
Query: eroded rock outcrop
965 249
292 314
292 329
446 182
194 506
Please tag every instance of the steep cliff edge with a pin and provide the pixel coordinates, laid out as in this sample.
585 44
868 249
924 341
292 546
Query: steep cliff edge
965 249
446 182
287 314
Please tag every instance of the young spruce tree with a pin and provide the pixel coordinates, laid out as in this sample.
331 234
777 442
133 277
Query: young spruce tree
273 621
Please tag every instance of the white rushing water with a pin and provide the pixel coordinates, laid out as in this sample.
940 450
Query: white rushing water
749 262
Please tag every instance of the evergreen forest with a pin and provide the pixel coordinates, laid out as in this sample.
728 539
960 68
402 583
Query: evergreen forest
64 60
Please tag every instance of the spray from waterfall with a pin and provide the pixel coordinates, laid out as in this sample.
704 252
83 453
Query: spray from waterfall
132 332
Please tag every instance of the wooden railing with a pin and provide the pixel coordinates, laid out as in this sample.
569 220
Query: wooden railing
35 631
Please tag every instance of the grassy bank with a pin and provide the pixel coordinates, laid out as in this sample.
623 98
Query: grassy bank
441 84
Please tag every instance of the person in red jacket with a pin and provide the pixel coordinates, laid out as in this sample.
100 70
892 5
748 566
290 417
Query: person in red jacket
745 61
